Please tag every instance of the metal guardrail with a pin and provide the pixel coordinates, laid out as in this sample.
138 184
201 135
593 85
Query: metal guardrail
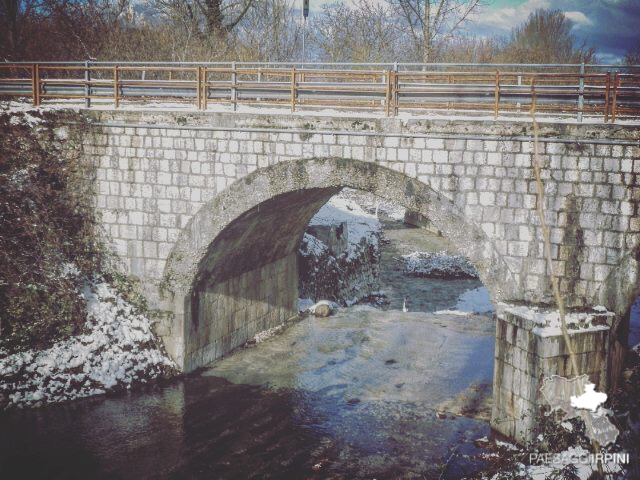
558 89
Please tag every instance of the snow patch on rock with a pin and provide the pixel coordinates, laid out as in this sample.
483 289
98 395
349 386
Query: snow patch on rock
267 334
117 350
439 264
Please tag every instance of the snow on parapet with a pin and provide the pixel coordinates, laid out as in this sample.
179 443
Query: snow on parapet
106 104
547 322
13 107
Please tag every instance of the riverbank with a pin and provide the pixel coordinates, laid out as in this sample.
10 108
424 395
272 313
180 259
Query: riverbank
116 351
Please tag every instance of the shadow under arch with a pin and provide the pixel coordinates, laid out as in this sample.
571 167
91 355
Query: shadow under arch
617 294
260 220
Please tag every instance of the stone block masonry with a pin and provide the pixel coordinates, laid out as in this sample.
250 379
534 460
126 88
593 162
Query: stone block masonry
525 355
229 313
152 180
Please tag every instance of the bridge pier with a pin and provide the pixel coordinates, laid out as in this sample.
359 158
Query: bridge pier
527 352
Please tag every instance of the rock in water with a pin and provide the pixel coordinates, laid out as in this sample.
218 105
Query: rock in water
322 310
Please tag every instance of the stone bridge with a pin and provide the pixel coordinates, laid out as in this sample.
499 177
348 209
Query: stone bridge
207 210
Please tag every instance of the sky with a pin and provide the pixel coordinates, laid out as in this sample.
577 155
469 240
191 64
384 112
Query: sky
611 26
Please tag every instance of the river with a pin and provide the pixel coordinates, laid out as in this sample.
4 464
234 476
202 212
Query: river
366 393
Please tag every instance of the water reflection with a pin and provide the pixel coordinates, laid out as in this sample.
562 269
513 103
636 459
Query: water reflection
323 400
353 396
634 331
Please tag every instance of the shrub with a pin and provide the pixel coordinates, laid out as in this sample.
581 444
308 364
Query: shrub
46 235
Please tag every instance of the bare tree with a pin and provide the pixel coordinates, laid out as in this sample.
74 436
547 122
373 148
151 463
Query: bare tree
632 57
269 32
56 29
364 32
432 23
545 37
206 17
471 49
19 20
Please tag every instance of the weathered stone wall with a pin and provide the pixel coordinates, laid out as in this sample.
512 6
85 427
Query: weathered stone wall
229 313
524 357
152 180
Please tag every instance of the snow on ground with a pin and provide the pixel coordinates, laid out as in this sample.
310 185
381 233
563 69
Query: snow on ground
374 204
117 350
362 227
548 321
440 264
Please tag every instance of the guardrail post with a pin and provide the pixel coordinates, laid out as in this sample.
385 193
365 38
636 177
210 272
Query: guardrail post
205 89
497 95
606 97
116 93
293 89
388 92
518 104
533 95
234 91
616 79
581 93
34 84
198 88
87 85
394 88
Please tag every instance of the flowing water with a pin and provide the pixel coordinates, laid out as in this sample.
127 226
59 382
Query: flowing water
366 393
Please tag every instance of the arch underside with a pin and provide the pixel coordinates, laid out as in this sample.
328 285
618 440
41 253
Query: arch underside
233 270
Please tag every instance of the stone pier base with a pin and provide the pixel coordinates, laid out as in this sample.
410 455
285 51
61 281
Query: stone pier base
527 351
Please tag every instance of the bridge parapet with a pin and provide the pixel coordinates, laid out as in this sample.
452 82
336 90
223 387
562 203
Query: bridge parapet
606 92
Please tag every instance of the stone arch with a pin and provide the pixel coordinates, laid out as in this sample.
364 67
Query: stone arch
259 220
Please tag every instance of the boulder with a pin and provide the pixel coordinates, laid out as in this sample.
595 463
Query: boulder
323 310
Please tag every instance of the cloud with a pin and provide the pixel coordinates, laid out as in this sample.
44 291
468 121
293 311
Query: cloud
578 18
611 26
505 18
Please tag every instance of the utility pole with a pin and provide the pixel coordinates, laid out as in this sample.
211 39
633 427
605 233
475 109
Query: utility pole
305 14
